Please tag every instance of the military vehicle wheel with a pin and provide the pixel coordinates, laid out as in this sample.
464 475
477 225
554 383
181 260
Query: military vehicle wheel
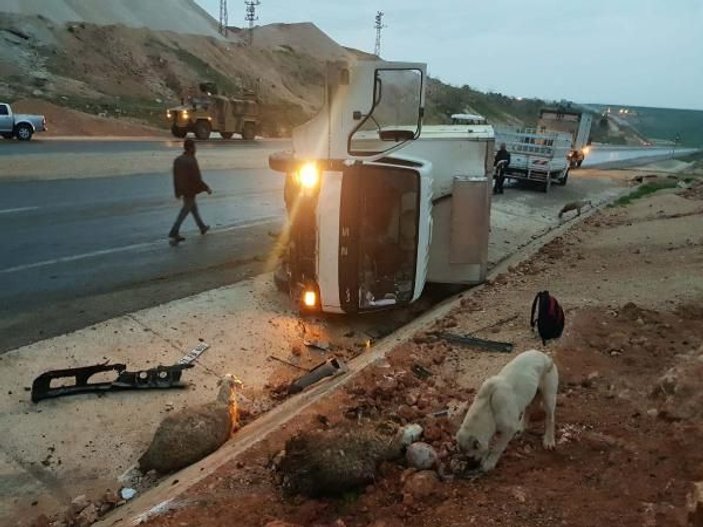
179 132
226 135
249 131
24 132
202 130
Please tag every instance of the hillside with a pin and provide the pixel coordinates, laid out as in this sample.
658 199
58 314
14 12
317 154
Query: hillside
182 16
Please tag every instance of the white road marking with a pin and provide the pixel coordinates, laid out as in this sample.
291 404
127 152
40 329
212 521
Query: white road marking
125 248
19 209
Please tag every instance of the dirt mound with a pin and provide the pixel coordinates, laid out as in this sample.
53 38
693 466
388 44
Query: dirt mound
66 122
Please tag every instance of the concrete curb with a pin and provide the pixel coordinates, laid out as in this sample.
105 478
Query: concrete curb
154 500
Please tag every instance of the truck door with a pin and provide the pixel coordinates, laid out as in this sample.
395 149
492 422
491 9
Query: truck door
6 121
383 233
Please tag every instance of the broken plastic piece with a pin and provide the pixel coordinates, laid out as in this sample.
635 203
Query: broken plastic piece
159 378
193 354
328 368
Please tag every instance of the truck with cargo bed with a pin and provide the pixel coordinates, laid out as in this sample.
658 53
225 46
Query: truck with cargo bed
20 126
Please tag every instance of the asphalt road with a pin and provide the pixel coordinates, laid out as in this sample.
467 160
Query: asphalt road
77 251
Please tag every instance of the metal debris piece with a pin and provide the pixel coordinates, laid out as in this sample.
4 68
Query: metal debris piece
465 340
156 378
317 344
329 368
193 354
273 357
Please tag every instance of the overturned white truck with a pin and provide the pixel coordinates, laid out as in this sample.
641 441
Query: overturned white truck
378 205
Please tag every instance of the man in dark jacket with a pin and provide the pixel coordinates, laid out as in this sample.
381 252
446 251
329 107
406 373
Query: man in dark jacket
188 183
501 155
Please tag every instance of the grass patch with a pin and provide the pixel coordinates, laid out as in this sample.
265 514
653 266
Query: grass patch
644 190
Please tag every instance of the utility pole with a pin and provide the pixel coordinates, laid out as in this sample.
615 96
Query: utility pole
251 16
379 25
223 17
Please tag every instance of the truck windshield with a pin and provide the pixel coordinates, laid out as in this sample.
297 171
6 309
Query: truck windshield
395 115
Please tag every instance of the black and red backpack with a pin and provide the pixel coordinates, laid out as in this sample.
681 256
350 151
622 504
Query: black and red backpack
550 316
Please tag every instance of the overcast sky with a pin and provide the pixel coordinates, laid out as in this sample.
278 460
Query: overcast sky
637 52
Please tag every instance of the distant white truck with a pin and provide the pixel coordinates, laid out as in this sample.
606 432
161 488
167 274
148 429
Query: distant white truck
21 126
577 124
536 155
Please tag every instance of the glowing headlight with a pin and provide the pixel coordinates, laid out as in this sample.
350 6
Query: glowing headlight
308 175
309 299
168 114
586 150
185 114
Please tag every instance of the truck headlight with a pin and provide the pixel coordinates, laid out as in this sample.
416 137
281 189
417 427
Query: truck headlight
168 114
309 298
184 114
586 150
308 175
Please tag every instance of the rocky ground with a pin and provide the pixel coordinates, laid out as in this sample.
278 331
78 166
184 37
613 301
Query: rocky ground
629 419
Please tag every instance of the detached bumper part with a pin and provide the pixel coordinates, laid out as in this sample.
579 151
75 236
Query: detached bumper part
161 377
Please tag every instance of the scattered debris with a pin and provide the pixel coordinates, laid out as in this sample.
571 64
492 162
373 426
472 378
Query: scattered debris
127 493
193 354
273 357
465 340
156 378
317 344
329 368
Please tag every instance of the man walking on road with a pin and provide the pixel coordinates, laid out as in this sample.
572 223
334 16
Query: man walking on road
188 183
501 162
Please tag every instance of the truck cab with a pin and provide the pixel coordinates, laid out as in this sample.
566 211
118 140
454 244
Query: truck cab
364 184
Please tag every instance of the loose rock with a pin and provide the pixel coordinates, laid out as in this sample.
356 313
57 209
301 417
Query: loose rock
421 456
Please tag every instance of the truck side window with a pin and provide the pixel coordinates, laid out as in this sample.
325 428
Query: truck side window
3 110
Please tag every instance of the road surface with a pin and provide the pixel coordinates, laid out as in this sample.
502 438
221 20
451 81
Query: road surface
85 249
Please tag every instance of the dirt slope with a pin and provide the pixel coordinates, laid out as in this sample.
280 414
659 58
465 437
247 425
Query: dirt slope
629 423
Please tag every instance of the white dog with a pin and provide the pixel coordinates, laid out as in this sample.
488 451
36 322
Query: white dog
500 406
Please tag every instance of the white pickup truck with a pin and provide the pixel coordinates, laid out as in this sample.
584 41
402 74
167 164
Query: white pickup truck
17 125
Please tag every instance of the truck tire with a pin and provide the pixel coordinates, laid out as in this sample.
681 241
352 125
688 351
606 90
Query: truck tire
249 131
202 130
24 132
179 132
226 135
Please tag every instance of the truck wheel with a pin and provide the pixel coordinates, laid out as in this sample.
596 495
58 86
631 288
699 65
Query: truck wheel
249 131
179 132
202 130
24 132
226 135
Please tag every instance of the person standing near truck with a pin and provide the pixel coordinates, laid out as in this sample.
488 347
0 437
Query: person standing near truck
502 155
188 183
